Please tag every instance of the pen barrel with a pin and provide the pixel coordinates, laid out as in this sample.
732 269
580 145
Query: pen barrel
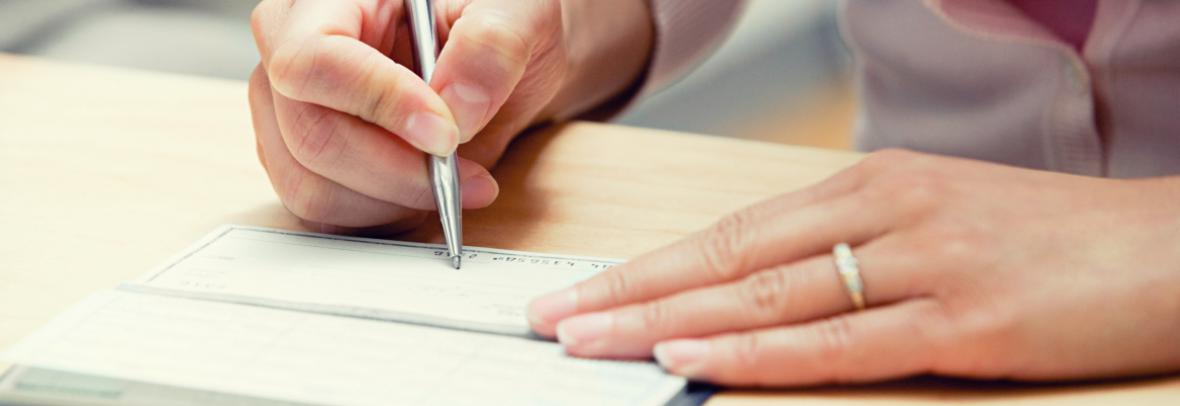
444 174
420 15
444 171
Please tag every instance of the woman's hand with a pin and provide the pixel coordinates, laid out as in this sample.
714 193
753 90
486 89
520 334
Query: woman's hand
343 126
970 269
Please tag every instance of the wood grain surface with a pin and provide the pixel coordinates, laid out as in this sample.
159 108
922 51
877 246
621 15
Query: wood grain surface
106 172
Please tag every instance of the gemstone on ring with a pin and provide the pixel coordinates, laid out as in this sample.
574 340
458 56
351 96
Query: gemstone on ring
849 269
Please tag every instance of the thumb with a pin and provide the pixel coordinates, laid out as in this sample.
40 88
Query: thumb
489 47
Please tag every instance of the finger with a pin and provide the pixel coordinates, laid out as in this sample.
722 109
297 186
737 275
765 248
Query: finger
365 158
265 23
487 50
373 23
317 58
379 231
778 231
794 293
350 151
306 194
886 342
258 151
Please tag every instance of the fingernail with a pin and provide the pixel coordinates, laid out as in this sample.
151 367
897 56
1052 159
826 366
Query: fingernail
553 307
469 104
478 191
682 357
431 133
585 329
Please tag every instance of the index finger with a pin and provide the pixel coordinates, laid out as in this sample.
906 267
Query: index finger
315 55
778 231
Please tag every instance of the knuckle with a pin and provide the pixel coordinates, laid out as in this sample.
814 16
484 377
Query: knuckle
265 16
833 339
897 154
304 197
747 351
923 188
316 206
318 138
928 328
290 68
258 17
983 338
256 84
952 243
655 314
287 185
855 176
383 99
723 245
292 189
617 285
765 293
307 69
497 34
911 190
885 159
987 323
258 96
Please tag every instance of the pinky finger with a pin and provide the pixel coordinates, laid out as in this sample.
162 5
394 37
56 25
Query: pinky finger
882 343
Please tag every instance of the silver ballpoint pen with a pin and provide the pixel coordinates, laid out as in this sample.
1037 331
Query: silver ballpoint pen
444 171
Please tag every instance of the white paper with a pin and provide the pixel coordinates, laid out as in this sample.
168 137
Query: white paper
368 278
321 359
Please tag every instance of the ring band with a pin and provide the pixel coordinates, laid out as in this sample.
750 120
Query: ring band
849 269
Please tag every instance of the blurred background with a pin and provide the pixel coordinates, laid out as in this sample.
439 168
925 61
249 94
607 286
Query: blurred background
782 76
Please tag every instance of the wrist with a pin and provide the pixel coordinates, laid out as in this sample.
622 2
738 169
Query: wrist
608 44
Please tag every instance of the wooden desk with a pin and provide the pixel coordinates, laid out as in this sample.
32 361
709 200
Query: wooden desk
107 172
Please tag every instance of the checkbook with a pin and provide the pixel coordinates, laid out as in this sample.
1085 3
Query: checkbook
256 316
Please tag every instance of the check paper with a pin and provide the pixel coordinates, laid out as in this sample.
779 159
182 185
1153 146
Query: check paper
327 320
368 278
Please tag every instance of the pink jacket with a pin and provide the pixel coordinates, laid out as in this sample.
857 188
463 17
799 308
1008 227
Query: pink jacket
979 79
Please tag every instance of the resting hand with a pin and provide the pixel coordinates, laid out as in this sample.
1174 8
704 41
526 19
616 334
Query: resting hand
970 269
343 126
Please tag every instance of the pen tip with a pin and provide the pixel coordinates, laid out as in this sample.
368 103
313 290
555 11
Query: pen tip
457 261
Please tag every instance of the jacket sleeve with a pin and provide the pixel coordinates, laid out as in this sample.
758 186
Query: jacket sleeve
686 32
